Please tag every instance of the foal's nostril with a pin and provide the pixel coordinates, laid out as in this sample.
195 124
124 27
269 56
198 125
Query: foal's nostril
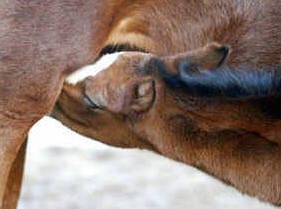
88 102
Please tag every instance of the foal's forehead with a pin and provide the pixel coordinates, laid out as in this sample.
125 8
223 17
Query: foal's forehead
132 61
91 70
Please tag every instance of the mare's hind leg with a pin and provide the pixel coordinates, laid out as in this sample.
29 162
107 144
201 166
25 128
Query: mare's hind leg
13 186
12 136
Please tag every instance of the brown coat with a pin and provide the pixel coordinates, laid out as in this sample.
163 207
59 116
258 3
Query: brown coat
156 103
41 42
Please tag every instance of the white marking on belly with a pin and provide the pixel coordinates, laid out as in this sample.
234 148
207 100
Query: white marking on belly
91 70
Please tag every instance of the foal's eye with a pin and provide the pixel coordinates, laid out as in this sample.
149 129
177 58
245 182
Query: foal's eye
144 96
143 89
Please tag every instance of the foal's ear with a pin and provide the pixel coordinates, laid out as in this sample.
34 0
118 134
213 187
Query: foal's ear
210 57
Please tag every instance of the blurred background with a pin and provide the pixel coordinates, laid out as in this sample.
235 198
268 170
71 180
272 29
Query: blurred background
67 171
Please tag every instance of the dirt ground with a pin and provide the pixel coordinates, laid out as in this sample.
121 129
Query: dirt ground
67 171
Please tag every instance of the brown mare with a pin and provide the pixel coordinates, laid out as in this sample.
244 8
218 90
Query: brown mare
43 42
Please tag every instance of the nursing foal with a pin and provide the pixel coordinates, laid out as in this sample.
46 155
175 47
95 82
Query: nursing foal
42 42
188 107
225 121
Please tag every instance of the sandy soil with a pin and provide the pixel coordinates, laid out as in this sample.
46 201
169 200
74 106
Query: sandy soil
67 171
